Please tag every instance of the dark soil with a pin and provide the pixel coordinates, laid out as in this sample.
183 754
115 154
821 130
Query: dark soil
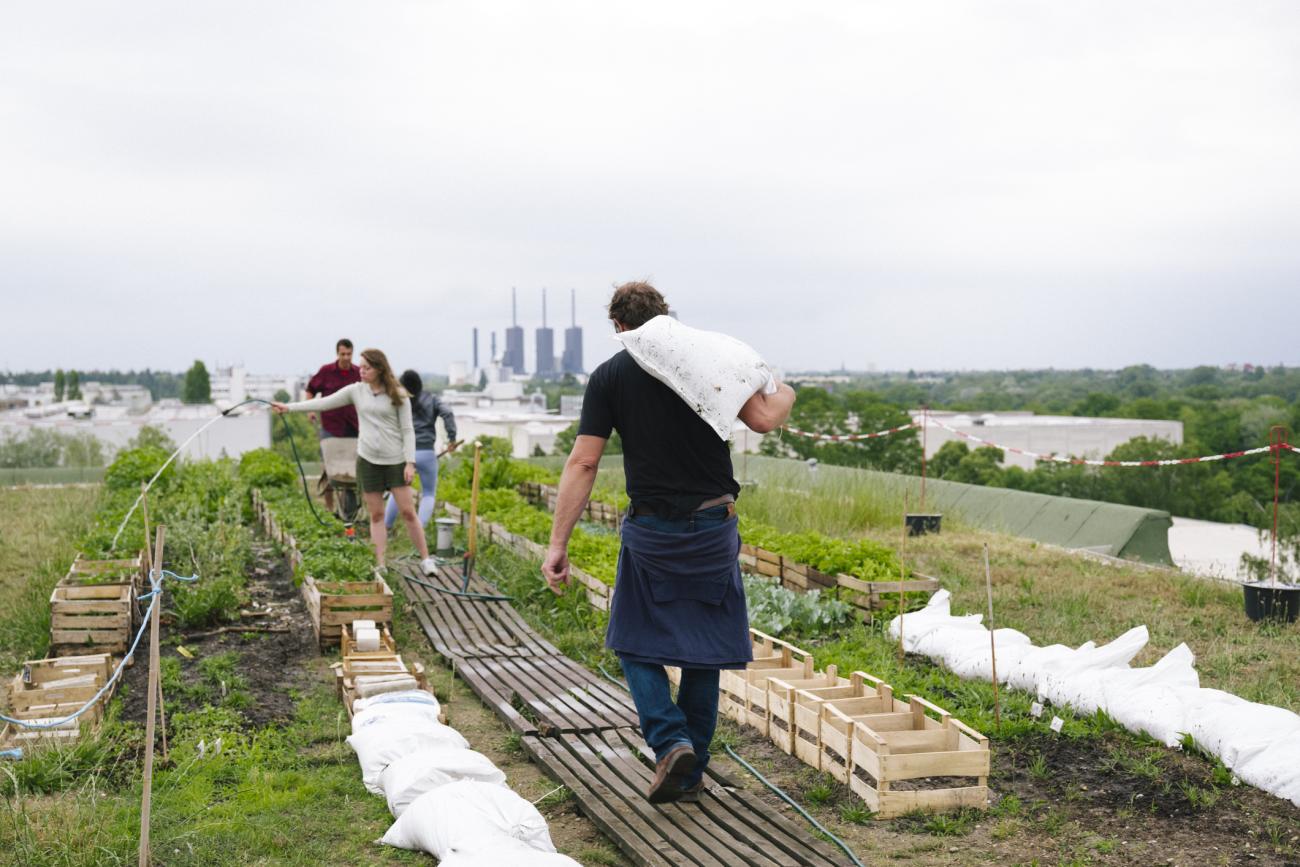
275 665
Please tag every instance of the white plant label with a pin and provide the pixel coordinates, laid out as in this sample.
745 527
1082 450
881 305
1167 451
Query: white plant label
1036 709
1057 724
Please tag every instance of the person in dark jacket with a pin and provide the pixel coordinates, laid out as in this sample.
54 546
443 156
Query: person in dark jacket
426 409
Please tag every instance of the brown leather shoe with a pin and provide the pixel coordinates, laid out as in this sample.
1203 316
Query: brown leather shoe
670 772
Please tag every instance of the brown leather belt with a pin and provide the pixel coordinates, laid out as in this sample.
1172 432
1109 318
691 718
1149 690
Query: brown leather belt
723 500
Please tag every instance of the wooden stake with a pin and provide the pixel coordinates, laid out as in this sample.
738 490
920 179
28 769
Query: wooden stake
993 649
902 571
146 801
144 511
472 548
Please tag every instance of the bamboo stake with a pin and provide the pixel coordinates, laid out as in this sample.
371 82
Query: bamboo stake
902 570
993 650
144 512
472 547
146 801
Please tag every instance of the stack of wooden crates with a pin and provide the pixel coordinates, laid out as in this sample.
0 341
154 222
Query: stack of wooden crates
898 756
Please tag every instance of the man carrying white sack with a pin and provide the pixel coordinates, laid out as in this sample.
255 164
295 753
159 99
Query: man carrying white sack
678 599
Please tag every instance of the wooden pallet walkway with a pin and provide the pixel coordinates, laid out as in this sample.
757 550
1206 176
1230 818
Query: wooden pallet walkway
582 730
533 686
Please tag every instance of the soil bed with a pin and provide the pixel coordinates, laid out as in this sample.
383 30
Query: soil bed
269 667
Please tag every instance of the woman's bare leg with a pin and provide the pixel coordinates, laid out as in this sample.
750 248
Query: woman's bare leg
406 508
378 532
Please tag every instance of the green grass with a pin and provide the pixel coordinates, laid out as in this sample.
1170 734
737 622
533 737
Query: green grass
37 544
288 795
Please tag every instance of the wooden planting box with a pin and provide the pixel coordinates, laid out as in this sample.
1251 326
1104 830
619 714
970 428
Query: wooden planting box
335 604
781 694
769 653
922 753
756 696
806 738
53 688
91 618
869 696
352 676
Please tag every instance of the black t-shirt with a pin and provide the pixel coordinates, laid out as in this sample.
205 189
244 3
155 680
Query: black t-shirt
672 458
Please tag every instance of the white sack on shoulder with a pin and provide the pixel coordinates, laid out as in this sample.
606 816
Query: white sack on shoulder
425 770
378 746
466 818
514 854
714 373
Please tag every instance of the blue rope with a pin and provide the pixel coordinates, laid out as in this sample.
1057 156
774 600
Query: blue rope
152 596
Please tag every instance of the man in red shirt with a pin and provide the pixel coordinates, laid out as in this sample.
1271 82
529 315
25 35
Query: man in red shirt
335 422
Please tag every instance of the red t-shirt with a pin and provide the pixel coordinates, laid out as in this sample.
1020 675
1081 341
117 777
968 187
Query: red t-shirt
340 422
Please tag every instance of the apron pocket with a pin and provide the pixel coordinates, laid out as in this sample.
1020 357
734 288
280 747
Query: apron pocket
696 588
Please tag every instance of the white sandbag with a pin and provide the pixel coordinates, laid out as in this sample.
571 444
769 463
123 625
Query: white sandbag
714 373
466 818
1090 690
425 770
1159 711
367 640
1027 670
1069 680
973 658
1276 768
362 624
412 696
382 713
948 638
514 854
377 746
1237 730
920 625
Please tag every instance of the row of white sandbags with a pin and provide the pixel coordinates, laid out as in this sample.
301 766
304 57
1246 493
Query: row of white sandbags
1260 743
447 799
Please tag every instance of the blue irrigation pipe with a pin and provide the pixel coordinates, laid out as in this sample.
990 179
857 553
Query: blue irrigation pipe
154 594
765 781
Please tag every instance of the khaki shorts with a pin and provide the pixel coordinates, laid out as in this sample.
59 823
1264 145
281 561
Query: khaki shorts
377 478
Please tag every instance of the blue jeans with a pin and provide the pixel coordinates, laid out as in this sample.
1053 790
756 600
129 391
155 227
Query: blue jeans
693 717
426 464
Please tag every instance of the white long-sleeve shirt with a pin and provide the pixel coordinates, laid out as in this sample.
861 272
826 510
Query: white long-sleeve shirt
387 435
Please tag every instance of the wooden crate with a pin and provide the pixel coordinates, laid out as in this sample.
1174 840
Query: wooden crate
756 682
807 711
838 716
923 753
53 688
335 604
91 618
348 645
349 675
781 703
768 652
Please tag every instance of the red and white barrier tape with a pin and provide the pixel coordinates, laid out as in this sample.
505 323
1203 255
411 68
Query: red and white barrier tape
849 438
1170 462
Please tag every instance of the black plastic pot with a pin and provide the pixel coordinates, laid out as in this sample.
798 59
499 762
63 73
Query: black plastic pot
919 525
1268 601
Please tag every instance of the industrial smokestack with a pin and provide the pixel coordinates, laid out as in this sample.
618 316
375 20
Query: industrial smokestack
476 349
543 306
514 307
573 307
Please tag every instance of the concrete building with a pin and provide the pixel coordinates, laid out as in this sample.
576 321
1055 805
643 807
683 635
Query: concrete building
1046 434
504 410
231 385
115 426
458 373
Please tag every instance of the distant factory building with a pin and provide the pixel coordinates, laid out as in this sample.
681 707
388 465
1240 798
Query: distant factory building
545 340
572 360
514 356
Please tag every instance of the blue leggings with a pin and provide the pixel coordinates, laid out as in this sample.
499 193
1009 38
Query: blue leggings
426 464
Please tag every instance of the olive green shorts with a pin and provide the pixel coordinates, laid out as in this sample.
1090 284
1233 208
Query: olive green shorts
377 478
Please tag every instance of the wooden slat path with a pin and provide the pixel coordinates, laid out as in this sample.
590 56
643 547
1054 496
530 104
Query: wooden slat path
582 730
512 668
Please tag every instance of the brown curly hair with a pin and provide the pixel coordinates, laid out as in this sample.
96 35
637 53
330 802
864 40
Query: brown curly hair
635 304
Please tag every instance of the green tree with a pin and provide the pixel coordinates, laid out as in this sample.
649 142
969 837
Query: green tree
849 412
482 380
305 438
74 386
59 385
564 442
198 385
152 437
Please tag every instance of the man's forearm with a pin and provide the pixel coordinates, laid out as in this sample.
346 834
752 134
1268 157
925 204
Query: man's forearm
575 488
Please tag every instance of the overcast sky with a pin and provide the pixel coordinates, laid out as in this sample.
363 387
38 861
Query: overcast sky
902 185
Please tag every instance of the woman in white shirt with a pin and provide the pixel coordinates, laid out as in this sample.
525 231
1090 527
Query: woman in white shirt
385 447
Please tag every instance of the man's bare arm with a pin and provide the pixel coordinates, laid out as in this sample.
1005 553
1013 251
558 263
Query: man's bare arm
576 482
764 413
